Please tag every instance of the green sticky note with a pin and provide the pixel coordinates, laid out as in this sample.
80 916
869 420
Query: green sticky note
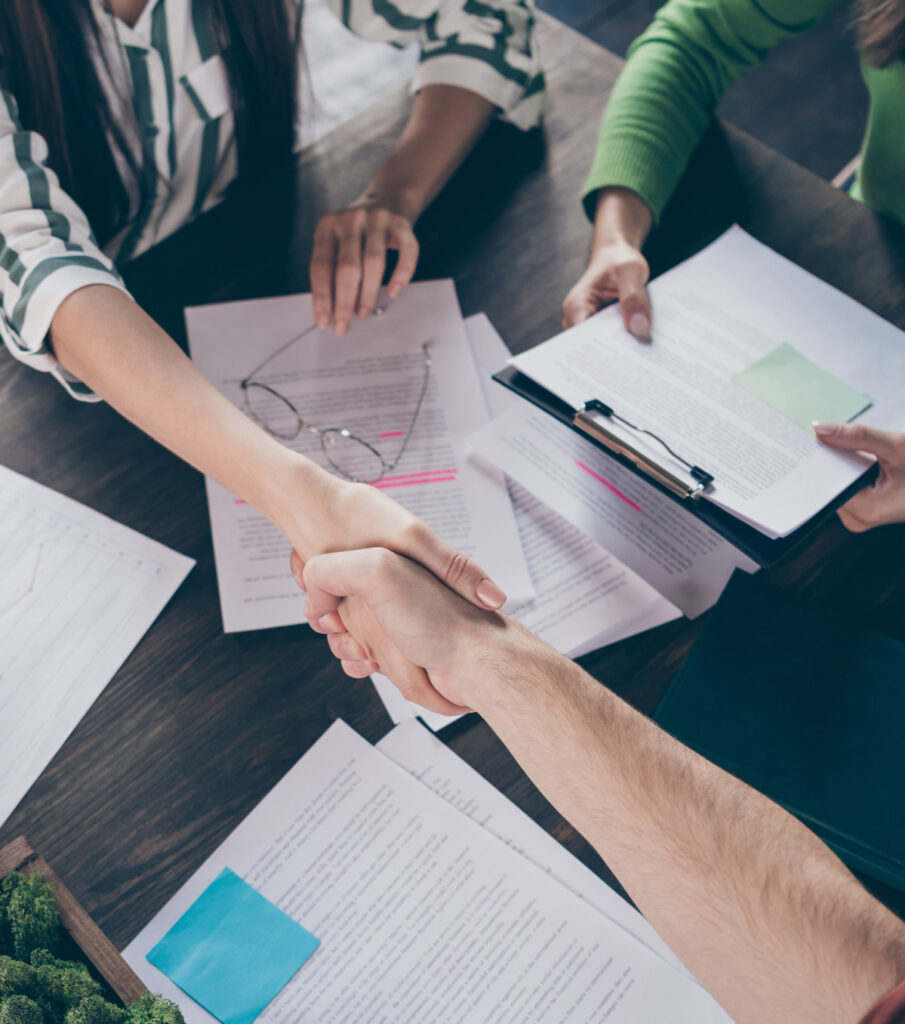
800 389
233 950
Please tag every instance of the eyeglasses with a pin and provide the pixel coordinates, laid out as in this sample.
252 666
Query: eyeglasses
351 456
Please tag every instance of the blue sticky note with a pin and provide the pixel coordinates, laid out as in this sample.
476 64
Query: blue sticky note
233 950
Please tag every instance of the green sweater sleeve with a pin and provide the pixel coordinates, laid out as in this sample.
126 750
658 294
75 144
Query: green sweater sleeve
673 80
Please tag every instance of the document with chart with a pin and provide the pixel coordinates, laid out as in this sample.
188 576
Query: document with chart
77 593
422 914
390 404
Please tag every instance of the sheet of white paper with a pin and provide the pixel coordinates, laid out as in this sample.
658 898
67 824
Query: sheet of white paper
585 597
77 593
426 757
368 382
677 554
715 315
422 914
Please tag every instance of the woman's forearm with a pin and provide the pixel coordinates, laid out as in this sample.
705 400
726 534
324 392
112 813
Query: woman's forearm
445 123
106 340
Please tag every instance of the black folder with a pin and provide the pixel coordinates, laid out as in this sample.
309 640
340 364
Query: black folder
756 545
806 707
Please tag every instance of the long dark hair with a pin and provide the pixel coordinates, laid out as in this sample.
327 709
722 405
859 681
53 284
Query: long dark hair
48 50
880 25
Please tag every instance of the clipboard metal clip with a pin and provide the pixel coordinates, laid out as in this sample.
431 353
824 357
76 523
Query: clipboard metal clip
586 420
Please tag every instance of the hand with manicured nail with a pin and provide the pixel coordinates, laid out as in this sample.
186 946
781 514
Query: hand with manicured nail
883 501
352 516
349 258
616 271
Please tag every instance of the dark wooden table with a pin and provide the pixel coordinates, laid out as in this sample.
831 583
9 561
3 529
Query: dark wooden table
197 726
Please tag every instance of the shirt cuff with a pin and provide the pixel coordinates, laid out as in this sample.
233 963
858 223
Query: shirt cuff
520 102
25 327
631 161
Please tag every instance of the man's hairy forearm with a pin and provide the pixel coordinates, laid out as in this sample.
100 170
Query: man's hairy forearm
763 913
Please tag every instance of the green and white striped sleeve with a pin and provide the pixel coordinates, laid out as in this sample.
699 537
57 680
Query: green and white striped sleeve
47 250
490 50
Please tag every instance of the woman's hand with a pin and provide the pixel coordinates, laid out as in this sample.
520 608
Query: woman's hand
883 501
342 516
350 246
349 258
616 269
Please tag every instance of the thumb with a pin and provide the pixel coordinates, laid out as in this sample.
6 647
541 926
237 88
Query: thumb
460 573
633 302
858 437
328 579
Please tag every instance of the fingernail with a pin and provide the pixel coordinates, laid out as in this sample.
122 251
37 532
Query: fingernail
331 623
639 325
362 313
490 594
323 321
394 291
341 327
822 429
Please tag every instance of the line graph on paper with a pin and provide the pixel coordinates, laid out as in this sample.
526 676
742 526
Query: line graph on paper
77 592
27 590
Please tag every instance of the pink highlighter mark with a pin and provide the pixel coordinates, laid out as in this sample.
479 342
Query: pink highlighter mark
607 484
388 482
390 433
240 501
424 477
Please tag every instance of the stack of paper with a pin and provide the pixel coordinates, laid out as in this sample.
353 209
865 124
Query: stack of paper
422 913
747 350
561 583
585 597
77 593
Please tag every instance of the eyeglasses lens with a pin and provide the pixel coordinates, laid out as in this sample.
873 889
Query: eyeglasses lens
351 457
273 412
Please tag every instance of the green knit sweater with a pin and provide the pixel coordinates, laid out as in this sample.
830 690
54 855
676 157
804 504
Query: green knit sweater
676 74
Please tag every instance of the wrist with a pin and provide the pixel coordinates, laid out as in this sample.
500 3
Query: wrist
501 666
300 497
403 200
621 216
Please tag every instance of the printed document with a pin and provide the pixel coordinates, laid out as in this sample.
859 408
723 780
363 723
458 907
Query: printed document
422 914
585 597
675 553
716 316
77 593
426 757
369 383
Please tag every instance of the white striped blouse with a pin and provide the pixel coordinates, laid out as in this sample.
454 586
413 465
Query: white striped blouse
168 64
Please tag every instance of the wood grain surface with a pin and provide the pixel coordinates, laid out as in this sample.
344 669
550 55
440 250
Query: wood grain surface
198 726
96 947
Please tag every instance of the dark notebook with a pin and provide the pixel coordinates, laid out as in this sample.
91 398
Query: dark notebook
807 709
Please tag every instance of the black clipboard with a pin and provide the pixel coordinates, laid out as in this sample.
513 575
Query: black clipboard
762 549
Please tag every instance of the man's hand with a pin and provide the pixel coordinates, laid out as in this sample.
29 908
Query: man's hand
883 501
616 269
382 612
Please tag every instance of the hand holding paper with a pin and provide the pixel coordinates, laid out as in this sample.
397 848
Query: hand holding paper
883 501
